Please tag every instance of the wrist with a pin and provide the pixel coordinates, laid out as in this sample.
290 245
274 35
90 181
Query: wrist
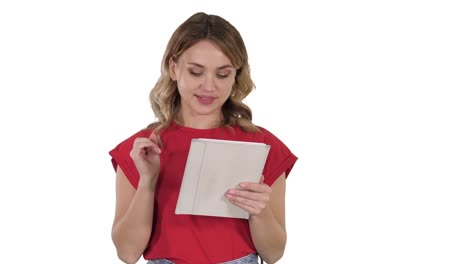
148 184
266 213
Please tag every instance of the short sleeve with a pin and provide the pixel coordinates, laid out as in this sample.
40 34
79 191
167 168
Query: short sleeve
280 159
120 156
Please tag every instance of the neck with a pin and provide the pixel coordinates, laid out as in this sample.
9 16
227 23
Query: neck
199 121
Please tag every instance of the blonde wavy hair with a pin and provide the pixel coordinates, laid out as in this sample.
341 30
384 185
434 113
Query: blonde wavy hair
165 98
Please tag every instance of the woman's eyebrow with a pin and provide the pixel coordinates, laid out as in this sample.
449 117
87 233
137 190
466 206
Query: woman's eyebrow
196 64
225 66
219 68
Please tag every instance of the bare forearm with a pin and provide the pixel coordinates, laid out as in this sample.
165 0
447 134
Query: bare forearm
131 234
268 235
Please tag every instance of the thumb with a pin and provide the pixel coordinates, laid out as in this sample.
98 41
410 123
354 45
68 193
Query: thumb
153 137
262 179
155 140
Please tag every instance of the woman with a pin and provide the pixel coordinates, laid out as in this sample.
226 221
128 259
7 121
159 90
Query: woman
204 78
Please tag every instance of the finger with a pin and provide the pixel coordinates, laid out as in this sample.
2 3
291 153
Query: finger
262 179
250 206
255 203
247 208
143 147
145 143
255 187
254 196
147 149
154 138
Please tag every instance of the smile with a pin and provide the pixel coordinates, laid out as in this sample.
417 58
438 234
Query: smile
206 100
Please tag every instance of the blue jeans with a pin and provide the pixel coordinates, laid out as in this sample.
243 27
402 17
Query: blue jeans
249 259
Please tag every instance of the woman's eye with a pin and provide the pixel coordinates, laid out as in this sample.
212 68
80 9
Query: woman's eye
222 76
196 73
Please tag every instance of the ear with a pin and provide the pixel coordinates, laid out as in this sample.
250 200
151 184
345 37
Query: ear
172 70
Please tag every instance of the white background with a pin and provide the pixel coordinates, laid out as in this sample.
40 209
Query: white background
370 95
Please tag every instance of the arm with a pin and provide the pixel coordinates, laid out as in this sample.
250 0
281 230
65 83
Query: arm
267 215
134 209
133 219
268 228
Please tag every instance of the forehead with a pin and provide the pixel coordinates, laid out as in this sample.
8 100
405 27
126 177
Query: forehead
205 53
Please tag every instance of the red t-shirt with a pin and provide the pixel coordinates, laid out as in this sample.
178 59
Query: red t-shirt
193 238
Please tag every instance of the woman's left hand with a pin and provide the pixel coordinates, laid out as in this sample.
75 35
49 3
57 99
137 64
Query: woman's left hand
252 197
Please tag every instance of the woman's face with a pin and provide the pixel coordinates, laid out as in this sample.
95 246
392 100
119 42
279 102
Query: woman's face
205 77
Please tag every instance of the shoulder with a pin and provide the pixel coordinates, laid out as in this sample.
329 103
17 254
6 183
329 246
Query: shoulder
127 143
121 156
280 158
261 135
142 133
271 139
265 131
268 136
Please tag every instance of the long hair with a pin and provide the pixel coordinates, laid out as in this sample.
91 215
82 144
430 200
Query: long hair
165 98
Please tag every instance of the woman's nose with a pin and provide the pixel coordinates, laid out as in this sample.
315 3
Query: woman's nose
208 83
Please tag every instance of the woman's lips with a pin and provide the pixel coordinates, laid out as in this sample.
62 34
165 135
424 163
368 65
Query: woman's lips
206 100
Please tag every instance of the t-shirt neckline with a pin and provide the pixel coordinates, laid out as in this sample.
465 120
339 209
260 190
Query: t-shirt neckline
196 130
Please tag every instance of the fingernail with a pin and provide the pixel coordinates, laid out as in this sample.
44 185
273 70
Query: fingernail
242 185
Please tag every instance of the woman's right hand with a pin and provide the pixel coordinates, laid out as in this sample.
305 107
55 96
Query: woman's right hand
145 155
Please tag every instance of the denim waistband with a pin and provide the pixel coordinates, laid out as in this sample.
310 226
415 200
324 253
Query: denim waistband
249 259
